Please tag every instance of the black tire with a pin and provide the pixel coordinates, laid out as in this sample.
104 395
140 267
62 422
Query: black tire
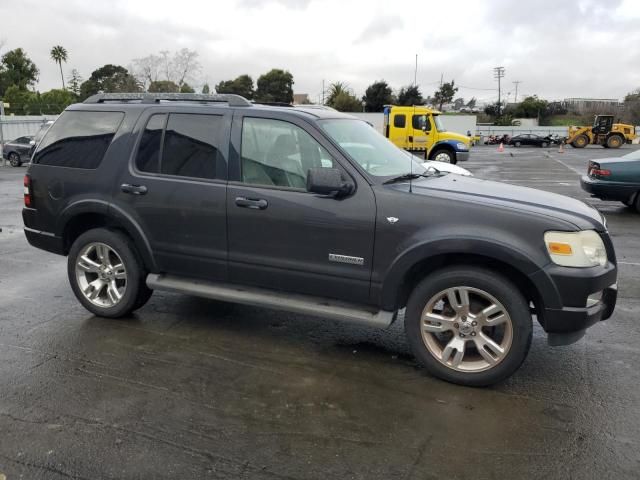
615 141
637 202
497 286
14 159
580 141
452 157
517 144
544 145
136 293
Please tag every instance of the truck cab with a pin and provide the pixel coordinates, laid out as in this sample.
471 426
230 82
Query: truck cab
419 129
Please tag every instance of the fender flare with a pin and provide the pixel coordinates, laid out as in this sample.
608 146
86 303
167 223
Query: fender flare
488 249
117 218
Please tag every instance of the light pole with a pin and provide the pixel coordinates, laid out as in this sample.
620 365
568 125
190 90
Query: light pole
498 73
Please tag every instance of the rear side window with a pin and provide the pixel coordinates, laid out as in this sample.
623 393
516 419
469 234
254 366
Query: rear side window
78 139
186 147
399 121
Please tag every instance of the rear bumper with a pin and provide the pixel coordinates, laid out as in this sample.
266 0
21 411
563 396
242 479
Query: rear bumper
608 190
44 240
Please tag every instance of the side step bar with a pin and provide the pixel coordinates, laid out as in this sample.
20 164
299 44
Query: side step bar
259 297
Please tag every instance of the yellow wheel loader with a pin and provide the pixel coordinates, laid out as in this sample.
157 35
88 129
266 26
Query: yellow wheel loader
603 132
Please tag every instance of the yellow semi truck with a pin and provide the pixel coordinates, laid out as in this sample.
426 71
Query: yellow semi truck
419 129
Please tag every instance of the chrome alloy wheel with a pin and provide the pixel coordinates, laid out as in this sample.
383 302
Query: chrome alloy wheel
443 157
101 275
466 329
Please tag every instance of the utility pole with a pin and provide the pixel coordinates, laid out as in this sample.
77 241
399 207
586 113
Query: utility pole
516 83
498 73
323 91
415 72
441 77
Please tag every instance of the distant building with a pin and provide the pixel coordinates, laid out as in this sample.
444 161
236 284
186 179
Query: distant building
582 105
301 99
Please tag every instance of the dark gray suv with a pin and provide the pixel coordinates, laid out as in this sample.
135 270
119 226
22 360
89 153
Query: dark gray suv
312 211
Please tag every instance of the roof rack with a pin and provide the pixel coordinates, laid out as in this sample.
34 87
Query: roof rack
231 99
274 104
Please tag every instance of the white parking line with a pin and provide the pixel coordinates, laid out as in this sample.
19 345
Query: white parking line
630 263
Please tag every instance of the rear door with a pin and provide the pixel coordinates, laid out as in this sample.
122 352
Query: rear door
22 146
280 235
399 128
175 189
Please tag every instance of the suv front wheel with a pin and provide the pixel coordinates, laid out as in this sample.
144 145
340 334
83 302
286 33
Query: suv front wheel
106 274
468 326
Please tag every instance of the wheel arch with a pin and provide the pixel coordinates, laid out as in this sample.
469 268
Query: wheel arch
407 272
442 146
84 216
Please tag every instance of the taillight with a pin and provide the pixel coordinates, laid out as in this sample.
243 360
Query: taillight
28 197
596 171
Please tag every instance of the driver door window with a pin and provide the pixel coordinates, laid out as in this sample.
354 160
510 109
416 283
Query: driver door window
279 154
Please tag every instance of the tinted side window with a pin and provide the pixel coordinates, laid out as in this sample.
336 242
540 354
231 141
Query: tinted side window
191 144
148 157
78 139
278 153
399 121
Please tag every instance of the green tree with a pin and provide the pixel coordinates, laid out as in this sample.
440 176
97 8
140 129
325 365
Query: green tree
75 80
445 94
55 101
20 101
186 88
109 78
346 102
59 55
163 86
275 86
409 96
531 107
335 89
472 103
17 69
242 85
205 89
377 95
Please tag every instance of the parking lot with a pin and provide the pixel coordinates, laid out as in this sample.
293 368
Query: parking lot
193 388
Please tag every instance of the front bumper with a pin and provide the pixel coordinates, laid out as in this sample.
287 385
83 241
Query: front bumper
605 190
463 156
568 322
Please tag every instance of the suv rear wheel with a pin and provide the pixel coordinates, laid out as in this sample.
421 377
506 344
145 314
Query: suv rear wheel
468 326
106 274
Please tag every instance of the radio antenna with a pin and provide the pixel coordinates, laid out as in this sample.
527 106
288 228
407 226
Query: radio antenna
411 156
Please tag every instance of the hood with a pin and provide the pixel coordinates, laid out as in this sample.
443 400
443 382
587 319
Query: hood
456 137
536 202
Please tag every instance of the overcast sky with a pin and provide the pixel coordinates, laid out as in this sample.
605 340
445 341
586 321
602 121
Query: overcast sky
557 48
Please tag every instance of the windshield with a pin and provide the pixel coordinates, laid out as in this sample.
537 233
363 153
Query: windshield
373 152
632 156
438 122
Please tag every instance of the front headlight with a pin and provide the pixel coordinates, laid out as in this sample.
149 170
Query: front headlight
462 146
576 249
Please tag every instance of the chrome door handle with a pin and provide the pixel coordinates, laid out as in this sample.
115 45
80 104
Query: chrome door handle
254 203
133 189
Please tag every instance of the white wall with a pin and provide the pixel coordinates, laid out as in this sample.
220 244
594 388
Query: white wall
14 126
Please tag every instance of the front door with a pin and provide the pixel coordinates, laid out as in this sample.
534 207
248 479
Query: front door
280 235
175 190
423 133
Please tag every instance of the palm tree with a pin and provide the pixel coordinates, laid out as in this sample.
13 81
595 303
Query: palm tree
59 55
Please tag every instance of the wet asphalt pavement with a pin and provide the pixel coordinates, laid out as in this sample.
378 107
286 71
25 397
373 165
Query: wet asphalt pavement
192 388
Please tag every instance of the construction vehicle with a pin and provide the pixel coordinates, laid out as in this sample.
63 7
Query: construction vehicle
603 132
419 130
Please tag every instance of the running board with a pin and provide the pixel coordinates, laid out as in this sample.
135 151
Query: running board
322 307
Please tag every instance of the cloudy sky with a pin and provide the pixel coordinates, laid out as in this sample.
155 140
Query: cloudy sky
557 49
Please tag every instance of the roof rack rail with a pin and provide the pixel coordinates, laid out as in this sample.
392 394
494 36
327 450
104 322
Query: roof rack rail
231 99
274 104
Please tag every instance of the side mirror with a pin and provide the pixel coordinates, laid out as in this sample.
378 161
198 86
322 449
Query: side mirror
329 181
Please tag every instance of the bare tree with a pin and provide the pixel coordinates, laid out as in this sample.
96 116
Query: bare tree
147 69
185 65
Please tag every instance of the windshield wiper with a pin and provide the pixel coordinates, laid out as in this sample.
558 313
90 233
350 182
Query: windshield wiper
411 176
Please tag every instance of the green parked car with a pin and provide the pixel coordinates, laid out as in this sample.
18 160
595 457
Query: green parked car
615 179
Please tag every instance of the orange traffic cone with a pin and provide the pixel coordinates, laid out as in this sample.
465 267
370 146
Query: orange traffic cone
561 149
501 147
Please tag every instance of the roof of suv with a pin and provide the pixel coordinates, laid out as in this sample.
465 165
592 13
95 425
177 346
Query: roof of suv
217 100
